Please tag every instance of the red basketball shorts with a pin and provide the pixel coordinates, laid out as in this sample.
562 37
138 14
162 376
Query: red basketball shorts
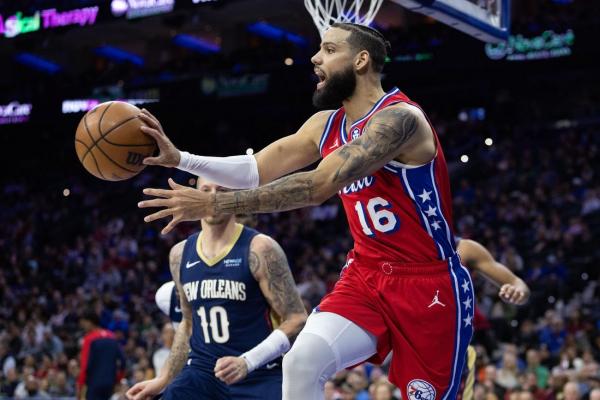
421 312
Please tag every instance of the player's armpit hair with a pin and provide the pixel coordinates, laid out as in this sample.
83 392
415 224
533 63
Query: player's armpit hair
385 134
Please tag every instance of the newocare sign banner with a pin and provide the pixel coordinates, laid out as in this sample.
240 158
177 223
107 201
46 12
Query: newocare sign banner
519 48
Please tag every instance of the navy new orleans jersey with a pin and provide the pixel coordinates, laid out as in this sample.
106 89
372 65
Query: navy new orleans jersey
230 316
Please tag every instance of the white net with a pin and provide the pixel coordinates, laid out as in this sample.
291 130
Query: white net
327 12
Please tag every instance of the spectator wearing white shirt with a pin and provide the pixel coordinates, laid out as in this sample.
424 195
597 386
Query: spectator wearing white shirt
161 355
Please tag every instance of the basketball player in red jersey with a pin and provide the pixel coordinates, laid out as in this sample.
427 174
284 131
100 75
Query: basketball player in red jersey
380 153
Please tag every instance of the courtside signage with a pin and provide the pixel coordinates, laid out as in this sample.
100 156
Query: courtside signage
547 45
140 8
84 105
17 24
14 113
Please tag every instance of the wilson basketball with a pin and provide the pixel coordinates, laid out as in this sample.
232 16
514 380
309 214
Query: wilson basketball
109 142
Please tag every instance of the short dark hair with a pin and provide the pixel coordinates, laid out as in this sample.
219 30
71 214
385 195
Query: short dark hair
91 316
365 38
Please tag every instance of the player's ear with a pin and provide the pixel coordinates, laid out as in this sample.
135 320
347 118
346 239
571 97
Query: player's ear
361 62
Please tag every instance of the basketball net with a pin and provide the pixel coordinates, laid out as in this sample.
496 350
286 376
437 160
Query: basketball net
327 12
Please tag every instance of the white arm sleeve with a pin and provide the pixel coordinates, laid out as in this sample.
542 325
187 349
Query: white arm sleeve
272 347
235 172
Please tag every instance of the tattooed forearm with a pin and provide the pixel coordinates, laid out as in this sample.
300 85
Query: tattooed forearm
287 193
179 351
387 132
269 266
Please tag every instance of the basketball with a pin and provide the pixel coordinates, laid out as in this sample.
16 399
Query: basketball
109 142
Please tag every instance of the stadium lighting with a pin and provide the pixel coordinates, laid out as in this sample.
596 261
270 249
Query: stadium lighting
196 44
464 158
119 55
273 32
489 141
289 61
38 63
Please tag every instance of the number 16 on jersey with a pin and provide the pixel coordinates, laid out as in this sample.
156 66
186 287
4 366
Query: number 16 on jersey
381 218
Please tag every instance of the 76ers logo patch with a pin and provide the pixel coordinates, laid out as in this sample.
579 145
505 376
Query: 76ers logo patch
418 389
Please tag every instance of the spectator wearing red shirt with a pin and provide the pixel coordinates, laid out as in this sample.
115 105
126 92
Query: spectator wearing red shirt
102 361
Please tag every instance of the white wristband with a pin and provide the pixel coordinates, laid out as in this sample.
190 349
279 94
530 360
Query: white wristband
272 347
235 172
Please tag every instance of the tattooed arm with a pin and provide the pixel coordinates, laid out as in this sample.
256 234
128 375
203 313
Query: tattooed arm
397 132
180 348
270 268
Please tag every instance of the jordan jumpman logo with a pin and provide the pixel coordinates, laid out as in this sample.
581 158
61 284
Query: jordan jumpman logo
436 300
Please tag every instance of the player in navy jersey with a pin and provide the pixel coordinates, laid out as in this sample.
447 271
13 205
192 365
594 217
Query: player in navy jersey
381 154
234 285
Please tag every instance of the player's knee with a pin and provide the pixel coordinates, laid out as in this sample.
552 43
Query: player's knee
311 360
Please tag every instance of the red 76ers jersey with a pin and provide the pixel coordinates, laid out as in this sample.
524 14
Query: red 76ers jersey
399 213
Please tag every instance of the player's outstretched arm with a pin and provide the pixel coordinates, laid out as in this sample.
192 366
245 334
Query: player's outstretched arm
270 268
285 155
398 131
179 351
512 289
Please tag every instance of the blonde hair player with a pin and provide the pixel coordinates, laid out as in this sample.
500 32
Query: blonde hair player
230 279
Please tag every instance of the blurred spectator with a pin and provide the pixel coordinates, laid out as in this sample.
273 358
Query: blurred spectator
102 361
382 390
571 391
30 388
160 356
540 372
595 394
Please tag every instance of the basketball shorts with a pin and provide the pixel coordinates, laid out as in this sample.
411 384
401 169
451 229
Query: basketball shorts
198 383
257 388
421 312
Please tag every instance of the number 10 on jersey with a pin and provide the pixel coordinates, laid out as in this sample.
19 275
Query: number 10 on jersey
219 324
381 218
